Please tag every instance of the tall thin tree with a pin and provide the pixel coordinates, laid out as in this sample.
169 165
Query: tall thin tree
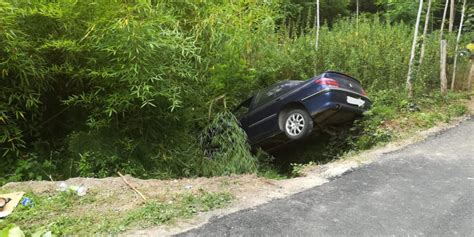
425 31
412 55
457 44
317 24
444 19
452 11
357 13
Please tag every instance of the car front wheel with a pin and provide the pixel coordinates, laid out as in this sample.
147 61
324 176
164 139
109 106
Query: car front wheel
298 124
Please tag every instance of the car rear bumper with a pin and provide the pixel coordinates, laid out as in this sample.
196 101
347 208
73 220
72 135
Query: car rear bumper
337 106
328 103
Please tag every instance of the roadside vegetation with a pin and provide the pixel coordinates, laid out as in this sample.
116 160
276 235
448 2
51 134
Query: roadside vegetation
52 213
144 88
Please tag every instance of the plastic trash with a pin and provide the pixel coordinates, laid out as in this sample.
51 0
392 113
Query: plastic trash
79 190
27 202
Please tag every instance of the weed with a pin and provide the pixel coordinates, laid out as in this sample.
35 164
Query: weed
183 206
298 170
457 109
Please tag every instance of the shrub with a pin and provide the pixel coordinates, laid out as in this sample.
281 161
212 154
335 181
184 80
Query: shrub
225 147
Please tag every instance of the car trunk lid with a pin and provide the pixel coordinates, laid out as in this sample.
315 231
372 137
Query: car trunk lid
345 82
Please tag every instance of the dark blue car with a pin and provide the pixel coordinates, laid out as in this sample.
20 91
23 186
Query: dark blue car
296 108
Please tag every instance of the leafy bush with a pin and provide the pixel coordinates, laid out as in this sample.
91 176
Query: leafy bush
226 149
29 167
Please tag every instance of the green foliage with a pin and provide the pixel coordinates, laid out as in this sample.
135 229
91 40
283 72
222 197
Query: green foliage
298 169
154 213
63 218
103 154
225 145
29 167
93 88
457 110
367 132
52 207
11 231
469 22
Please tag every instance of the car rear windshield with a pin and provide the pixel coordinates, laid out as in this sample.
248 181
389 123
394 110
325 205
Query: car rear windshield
266 95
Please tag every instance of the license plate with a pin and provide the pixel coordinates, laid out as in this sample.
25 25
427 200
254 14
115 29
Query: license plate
355 101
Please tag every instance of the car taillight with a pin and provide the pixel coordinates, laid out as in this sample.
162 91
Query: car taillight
363 92
327 82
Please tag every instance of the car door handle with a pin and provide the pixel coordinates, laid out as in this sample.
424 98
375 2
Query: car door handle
278 99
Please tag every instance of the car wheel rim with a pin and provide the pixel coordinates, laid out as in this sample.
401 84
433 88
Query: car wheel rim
295 124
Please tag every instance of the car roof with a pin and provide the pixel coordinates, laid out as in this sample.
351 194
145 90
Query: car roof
295 82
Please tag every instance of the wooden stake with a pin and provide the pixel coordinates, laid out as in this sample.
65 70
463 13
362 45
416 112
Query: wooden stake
443 78
130 186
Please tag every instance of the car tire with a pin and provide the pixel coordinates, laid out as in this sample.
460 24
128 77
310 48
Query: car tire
297 124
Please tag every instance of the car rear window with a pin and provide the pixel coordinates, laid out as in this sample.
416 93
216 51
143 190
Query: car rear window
266 95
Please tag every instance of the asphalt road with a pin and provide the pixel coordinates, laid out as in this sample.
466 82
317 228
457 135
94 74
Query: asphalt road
424 189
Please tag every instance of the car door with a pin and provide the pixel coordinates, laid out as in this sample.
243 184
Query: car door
262 120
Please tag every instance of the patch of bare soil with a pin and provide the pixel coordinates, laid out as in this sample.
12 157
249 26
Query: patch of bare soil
112 195
113 190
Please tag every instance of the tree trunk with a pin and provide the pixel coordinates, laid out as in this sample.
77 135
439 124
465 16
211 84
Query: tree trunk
425 30
457 45
443 78
316 20
444 19
412 55
451 16
357 13
471 76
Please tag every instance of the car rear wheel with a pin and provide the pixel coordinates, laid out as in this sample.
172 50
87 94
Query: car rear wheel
298 124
